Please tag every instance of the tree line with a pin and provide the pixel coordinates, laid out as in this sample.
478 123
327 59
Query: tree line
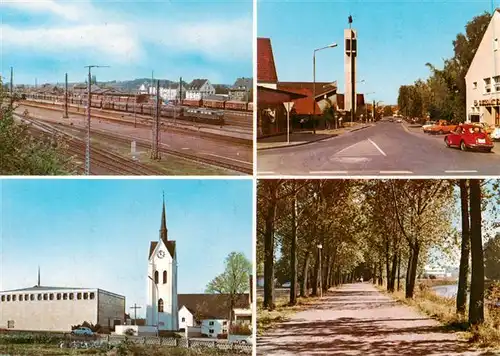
316 234
442 96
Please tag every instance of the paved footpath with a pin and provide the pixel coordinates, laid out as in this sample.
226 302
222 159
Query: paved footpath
357 319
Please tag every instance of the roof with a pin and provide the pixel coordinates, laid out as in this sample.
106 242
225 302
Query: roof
41 289
304 106
196 84
170 245
268 96
243 84
322 88
266 69
211 306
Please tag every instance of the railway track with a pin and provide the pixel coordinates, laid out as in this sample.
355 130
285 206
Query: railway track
109 161
145 121
222 162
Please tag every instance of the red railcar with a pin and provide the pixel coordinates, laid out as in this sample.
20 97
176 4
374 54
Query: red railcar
195 103
214 104
236 105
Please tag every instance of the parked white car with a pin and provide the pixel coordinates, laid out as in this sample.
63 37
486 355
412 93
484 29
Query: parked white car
495 135
83 331
240 339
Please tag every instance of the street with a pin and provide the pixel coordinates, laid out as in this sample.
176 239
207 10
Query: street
356 319
386 148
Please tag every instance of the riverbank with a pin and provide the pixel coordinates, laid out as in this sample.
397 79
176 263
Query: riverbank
443 309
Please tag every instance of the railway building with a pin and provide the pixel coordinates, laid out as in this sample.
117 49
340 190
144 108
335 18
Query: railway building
199 89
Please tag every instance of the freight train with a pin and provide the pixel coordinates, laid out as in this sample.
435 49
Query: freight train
220 104
128 104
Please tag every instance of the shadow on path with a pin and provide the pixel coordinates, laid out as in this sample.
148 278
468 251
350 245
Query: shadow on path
359 320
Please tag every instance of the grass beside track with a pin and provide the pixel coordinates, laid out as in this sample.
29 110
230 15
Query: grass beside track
268 319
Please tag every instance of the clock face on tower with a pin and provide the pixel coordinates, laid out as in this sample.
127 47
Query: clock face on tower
161 254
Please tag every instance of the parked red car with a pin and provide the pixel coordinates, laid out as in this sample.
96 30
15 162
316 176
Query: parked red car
468 136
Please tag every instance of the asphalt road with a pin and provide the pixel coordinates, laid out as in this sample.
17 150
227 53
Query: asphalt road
384 149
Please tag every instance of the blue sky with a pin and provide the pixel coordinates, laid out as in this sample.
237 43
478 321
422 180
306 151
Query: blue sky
96 233
194 39
395 38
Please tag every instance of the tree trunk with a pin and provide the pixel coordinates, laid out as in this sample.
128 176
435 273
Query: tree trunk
380 275
465 250
387 263
408 269
413 271
374 274
316 275
293 252
476 303
304 290
269 256
392 279
326 278
399 269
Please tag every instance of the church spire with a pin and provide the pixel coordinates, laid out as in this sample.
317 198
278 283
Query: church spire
163 228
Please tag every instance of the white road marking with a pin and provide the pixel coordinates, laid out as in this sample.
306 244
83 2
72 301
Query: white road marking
376 146
461 171
232 159
328 172
345 149
396 172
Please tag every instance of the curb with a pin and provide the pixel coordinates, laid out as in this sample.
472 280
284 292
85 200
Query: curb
308 142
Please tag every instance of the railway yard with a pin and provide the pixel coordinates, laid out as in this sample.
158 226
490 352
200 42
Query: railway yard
187 147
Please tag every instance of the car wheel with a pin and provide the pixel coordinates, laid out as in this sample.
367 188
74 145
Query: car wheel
447 141
463 147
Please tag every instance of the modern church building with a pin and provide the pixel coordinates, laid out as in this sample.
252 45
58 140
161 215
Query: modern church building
42 308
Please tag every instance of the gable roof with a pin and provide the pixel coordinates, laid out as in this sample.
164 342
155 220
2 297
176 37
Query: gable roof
211 306
243 84
196 84
322 88
266 69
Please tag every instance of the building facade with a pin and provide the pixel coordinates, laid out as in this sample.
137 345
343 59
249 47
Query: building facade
199 89
41 308
483 78
162 309
241 90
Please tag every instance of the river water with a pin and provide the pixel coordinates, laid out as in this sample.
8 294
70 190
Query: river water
449 291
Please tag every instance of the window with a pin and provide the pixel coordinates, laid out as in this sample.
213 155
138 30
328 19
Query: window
156 277
164 277
65 296
20 297
10 324
487 85
3 298
58 296
79 296
85 296
14 298
51 296
495 44
160 305
474 85
8 298
45 296
224 322
26 297
211 331
32 297
183 319
92 295
71 296
39 296
211 323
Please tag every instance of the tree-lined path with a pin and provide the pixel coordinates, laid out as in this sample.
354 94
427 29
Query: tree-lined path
356 319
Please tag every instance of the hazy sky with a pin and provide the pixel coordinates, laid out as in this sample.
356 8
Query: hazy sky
96 233
194 39
395 38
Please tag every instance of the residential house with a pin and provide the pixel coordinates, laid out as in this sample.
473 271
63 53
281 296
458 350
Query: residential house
199 89
241 90
211 312
169 92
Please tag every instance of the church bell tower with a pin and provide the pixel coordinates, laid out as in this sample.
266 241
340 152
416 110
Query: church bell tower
162 309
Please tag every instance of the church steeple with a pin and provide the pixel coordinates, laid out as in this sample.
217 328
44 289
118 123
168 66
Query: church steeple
163 228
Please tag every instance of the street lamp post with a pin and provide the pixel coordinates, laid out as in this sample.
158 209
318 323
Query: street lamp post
314 82
155 304
320 271
87 147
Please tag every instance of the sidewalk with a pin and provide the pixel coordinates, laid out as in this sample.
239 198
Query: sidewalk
303 137
357 319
